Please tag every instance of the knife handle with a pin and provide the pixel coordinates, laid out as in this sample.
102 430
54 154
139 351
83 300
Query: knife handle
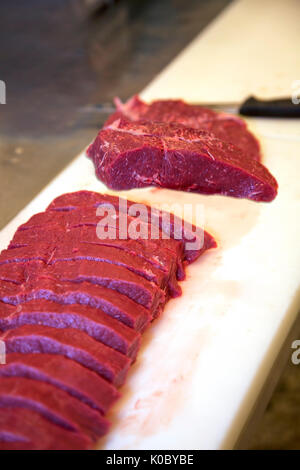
270 108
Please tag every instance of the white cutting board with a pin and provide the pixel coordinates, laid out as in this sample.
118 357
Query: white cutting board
203 365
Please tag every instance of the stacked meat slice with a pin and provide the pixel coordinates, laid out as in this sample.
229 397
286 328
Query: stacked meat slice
72 310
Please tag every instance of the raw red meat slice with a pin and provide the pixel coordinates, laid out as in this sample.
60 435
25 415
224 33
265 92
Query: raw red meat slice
7 289
22 429
14 272
99 273
61 251
87 216
111 276
171 224
71 343
118 306
149 258
137 154
233 130
64 374
92 321
226 127
164 111
56 405
87 234
163 269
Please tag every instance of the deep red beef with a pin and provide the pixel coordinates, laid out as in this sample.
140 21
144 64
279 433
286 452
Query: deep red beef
162 271
172 225
232 129
71 309
99 273
137 154
114 277
92 321
87 235
54 404
71 343
229 128
64 251
164 111
64 374
24 429
118 306
160 268
62 225
87 216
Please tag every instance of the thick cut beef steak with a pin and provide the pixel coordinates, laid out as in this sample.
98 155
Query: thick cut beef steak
227 127
73 306
137 154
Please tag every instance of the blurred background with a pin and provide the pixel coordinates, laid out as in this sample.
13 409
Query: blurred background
58 58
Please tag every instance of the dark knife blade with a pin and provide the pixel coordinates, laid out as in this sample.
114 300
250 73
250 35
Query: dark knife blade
270 108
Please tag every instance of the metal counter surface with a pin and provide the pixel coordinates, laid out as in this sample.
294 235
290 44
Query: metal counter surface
55 60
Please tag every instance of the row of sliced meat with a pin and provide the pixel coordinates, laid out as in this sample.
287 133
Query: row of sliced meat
72 311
